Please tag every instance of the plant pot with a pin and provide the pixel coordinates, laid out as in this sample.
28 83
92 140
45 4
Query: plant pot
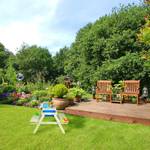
77 99
71 102
133 100
60 103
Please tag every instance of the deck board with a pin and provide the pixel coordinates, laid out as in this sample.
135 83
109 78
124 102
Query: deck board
126 112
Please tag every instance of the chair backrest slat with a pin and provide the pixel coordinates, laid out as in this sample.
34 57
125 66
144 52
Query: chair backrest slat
103 86
131 86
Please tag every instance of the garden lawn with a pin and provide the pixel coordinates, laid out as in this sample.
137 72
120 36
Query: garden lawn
16 133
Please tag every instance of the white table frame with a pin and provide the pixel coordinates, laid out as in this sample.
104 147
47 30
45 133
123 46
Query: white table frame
49 114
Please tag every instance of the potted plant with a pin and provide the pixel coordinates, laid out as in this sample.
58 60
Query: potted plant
77 93
70 97
59 90
78 97
117 89
133 99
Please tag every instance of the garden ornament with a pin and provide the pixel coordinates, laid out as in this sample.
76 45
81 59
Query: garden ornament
144 93
20 76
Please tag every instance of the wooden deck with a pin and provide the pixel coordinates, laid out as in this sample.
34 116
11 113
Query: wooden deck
130 113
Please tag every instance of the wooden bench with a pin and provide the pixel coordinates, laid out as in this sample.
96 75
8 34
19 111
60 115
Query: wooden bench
131 88
104 87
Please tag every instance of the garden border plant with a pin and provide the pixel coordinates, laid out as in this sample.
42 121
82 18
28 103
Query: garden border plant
59 91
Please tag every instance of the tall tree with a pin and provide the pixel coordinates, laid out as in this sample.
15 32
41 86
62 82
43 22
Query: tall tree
4 55
59 60
35 63
11 75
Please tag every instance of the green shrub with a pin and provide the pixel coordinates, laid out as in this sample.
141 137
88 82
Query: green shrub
50 91
45 99
86 96
69 96
23 88
1 90
76 92
5 96
40 85
7 100
59 90
30 87
8 88
39 93
22 101
33 103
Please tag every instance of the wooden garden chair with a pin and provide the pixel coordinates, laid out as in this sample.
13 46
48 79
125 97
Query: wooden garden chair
104 87
131 88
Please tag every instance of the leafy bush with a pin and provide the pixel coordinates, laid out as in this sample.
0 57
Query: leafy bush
76 92
22 101
45 99
59 90
69 96
23 88
126 67
40 85
86 96
5 96
1 90
39 93
5 88
50 91
33 103
6 100
31 87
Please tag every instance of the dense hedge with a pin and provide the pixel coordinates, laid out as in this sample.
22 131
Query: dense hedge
110 49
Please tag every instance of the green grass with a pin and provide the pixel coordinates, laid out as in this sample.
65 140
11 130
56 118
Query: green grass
16 133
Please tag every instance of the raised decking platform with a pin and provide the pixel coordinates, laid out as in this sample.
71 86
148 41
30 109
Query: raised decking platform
130 113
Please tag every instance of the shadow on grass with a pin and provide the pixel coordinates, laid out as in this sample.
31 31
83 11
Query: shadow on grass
76 122
4 106
46 129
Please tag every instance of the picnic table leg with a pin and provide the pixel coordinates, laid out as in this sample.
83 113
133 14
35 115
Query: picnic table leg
38 124
59 124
